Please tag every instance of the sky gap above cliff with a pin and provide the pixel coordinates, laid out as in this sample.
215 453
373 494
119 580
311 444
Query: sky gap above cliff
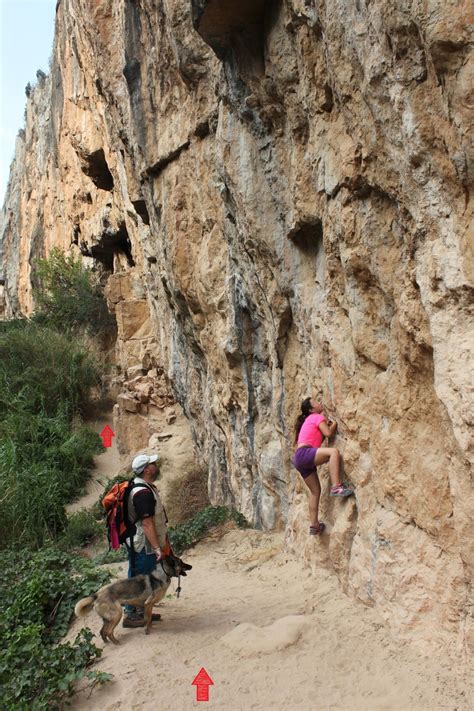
26 40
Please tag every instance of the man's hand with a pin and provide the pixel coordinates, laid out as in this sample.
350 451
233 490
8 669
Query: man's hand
158 553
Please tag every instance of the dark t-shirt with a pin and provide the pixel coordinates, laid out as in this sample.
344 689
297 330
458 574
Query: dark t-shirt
144 503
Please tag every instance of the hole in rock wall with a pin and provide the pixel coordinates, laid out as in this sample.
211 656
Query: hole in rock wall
141 209
111 245
96 168
220 22
307 235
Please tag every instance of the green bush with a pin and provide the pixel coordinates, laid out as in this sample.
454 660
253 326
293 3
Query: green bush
38 592
43 371
68 296
111 556
185 535
43 464
82 528
44 459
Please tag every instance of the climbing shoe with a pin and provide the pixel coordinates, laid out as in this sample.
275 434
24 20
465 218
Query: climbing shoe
340 490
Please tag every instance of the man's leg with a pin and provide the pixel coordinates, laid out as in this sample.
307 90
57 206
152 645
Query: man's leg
136 565
142 565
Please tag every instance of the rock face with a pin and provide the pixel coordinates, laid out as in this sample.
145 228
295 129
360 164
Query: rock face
280 196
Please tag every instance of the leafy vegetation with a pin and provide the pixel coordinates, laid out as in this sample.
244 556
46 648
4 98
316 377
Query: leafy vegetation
186 534
38 590
45 457
42 371
81 528
111 556
68 296
46 454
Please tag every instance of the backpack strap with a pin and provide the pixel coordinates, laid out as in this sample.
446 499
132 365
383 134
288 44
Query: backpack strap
140 485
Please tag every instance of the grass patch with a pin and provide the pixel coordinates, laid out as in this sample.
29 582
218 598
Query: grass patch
82 528
111 556
187 495
43 371
45 457
186 534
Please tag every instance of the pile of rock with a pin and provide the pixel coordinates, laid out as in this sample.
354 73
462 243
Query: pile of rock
144 389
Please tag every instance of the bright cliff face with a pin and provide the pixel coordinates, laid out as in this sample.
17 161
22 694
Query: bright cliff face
279 197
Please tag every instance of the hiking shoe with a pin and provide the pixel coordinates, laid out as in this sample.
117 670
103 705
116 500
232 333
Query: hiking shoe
133 622
340 490
317 530
139 620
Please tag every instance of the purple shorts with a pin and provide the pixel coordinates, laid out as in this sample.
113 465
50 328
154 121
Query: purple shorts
303 461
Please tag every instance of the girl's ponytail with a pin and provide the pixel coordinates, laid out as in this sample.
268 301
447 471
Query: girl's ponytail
305 411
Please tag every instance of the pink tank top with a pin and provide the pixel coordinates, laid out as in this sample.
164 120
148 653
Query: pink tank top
310 432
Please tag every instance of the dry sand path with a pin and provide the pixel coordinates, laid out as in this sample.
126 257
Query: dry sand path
271 637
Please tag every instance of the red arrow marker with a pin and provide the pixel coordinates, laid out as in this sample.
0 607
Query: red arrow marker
202 681
107 434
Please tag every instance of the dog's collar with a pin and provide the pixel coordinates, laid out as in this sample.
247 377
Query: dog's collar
178 589
164 569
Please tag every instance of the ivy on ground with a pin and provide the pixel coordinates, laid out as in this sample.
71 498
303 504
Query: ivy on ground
38 590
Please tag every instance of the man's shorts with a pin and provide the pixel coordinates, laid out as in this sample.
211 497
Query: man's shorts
303 460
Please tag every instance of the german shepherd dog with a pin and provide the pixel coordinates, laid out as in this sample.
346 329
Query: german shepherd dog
141 590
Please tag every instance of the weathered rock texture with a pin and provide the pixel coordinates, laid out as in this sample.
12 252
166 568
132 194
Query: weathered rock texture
280 192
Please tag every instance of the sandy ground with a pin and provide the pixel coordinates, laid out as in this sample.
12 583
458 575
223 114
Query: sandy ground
271 636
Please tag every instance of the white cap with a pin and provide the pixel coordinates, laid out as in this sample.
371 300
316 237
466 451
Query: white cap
142 460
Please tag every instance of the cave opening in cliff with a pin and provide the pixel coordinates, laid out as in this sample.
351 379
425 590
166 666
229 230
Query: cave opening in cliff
141 209
225 25
307 235
96 168
113 247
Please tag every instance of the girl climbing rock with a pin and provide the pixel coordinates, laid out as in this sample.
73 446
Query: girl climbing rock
310 430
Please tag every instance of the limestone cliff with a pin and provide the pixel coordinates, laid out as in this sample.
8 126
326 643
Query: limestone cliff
279 193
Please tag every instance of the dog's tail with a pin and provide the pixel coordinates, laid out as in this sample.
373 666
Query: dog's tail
84 606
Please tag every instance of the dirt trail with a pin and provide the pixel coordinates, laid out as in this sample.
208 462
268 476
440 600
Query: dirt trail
270 636
106 465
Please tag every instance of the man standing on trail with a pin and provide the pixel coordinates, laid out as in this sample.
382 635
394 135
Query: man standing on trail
150 542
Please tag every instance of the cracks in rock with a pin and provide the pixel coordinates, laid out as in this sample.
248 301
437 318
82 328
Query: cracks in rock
155 170
405 42
207 125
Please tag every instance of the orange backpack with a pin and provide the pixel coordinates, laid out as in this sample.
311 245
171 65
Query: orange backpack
115 503
119 525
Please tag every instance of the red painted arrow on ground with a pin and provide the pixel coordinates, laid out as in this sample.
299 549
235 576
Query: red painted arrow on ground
202 681
107 434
